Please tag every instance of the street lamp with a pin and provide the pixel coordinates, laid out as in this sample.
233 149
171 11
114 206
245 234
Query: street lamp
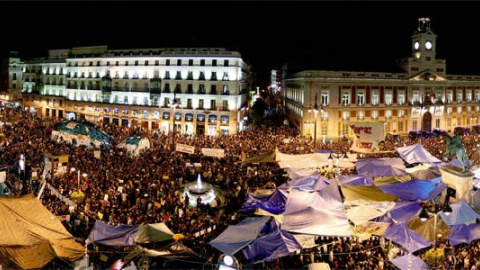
174 104
78 176
315 111
227 262
447 210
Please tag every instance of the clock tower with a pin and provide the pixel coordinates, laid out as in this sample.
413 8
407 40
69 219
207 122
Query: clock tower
424 47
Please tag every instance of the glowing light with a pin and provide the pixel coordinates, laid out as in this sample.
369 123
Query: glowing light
228 260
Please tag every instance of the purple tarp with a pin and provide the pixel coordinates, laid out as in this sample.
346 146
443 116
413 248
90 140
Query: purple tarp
381 167
273 203
416 154
274 245
413 190
407 238
464 233
403 212
462 213
410 262
317 213
236 237
307 183
122 235
355 180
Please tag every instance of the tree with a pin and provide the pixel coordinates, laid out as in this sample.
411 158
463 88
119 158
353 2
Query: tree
258 110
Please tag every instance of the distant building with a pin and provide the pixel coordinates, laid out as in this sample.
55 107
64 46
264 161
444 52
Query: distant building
421 96
137 87
11 80
276 81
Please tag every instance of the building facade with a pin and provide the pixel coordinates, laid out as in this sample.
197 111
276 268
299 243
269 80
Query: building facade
422 97
11 80
202 90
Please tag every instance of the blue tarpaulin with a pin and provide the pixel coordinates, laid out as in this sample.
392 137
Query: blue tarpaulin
402 212
410 262
462 213
381 167
415 190
464 233
273 203
416 154
355 180
274 245
236 237
122 235
307 183
407 238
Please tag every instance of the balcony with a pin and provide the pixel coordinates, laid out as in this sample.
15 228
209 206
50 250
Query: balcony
226 93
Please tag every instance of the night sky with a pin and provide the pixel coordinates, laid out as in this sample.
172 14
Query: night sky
356 36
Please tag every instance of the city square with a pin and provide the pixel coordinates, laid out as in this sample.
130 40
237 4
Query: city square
192 157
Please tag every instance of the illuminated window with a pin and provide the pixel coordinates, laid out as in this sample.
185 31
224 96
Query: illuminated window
374 97
361 98
324 98
401 98
361 115
388 98
345 98
225 76
400 126
374 114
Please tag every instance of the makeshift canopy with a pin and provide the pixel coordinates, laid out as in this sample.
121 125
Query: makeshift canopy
126 235
367 193
410 262
413 190
355 180
307 183
416 154
32 236
427 228
273 203
402 212
274 245
236 237
464 233
173 250
135 145
462 213
83 134
426 174
360 212
315 160
318 213
407 238
381 167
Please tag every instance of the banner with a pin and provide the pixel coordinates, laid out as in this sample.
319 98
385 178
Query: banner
369 137
53 191
213 152
97 154
64 217
185 148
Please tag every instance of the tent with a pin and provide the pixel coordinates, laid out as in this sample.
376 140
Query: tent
427 228
273 203
463 233
307 183
402 212
355 180
127 235
360 212
135 145
318 213
416 154
32 236
236 237
462 213
407 238
410 262
83 134
315 160
413 190
173 250
381 167
366 193
276 244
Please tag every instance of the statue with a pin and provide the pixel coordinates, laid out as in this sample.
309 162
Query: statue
456 148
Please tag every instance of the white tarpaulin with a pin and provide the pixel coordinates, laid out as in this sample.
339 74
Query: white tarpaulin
316 160
416 154
381 167
367 136
362 211
317 213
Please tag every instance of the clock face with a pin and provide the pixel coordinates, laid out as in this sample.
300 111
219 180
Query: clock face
428 45
416 45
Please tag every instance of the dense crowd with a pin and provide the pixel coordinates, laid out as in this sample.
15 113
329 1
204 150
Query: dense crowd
146 188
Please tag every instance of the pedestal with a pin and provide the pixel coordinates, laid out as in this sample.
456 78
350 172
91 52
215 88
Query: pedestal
458 180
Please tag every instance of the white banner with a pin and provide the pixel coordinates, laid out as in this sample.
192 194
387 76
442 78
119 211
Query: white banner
185 148
369 137
53 191
213 152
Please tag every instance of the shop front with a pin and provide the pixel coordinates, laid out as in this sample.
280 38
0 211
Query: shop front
212 125
200 129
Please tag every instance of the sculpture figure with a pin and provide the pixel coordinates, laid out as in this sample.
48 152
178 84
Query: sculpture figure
456 148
